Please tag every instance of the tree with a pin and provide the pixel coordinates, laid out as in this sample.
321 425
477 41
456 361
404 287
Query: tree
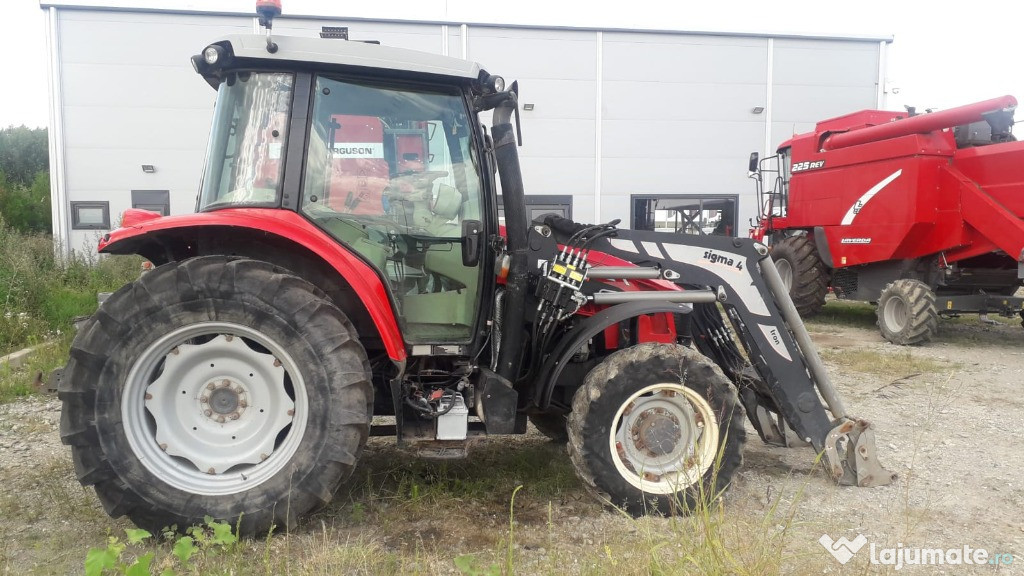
25 179
26 208
24 153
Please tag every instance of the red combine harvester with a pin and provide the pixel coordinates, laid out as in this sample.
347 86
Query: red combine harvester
920 213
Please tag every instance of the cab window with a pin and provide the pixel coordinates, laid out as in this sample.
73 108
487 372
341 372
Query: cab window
390 173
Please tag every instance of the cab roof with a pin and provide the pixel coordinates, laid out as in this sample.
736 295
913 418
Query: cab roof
337 52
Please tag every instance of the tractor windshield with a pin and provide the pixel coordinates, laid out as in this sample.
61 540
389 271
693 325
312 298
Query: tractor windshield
243 162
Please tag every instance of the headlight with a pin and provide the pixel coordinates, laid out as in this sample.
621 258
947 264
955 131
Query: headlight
212 54
497 83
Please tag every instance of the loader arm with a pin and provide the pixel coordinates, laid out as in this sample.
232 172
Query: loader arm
773 335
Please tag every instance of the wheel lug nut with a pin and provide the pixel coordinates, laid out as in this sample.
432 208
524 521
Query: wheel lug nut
235 415
204 398
225 383
211 386
243 404
208 413
221 419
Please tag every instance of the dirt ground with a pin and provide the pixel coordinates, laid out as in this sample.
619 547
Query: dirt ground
951 431
947 419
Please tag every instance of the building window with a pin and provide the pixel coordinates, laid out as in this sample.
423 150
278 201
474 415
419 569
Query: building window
152 200
702 215
540 205
90 215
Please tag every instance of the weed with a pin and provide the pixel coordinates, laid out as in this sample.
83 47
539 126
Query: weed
510 552
191 550
108 560
41 291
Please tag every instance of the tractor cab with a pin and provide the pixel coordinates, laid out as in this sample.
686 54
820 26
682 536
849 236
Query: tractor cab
388 167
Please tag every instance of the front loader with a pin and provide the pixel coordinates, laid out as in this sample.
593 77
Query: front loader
346 275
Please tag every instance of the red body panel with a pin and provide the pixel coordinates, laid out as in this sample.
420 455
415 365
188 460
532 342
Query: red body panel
886 187
650 328
289 225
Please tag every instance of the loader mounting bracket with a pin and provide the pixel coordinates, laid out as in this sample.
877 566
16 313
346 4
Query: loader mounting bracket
851 455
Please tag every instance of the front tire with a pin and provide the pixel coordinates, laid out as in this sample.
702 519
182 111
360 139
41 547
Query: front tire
803 273
656 428
216 387
906 312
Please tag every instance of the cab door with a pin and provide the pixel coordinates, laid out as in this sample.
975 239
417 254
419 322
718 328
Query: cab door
390 173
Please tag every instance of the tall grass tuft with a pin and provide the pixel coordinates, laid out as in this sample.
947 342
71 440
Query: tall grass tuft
42 292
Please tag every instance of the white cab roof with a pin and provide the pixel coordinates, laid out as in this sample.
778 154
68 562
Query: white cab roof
349 53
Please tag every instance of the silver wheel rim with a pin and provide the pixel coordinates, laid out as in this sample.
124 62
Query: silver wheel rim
895 313
786 272
664 438
214 408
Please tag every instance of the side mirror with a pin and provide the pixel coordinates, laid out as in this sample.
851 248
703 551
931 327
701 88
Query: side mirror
471 242
754 160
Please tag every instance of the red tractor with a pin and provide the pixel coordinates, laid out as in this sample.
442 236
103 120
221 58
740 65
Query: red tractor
346 276
920 213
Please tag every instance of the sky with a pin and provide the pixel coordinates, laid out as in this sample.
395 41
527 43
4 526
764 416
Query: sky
945 53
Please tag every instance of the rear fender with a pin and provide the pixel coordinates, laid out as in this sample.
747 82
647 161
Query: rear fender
586 329
278 236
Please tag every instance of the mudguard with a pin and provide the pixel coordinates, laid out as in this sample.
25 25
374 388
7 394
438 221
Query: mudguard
584 331
140 229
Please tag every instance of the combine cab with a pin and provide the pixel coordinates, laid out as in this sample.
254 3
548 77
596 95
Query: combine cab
920 213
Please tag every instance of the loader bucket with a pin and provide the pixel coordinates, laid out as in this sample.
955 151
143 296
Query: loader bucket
851 455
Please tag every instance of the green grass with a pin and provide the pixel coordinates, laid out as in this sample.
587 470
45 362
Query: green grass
41 294
400 515
899 364
16 382
845 313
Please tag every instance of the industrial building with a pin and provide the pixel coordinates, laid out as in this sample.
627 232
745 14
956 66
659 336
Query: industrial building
651 126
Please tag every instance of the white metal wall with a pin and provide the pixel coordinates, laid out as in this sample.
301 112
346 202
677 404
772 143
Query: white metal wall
615 113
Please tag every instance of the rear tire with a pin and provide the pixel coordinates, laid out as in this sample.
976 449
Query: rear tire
216 386
656 428
802 272
906 312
